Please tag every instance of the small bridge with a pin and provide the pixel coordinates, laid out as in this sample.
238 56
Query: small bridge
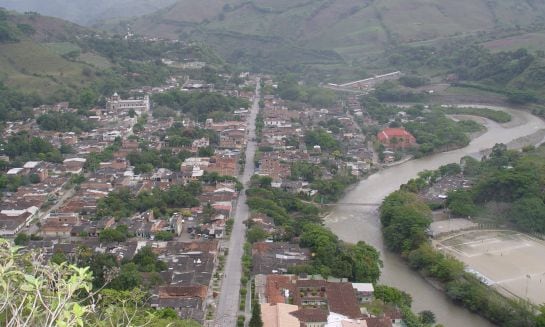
349 204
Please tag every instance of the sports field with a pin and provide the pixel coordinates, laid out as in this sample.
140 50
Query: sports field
512 262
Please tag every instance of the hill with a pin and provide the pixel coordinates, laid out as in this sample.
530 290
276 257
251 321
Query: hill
86 12
336 31
56 59
38 54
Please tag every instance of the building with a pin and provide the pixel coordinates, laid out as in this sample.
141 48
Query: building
364 292
396 138
279 315
140 106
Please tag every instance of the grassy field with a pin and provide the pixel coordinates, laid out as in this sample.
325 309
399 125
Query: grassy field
61 48
31 67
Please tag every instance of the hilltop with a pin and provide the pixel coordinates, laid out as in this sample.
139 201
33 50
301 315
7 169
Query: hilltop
330 31
87 12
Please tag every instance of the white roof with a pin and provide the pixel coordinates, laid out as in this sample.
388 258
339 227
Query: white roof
31 164
224 189
363 287
14 171
83 160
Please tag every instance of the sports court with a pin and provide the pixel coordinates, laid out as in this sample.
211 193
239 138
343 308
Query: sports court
511 261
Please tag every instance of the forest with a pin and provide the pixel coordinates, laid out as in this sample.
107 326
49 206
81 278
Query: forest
519 74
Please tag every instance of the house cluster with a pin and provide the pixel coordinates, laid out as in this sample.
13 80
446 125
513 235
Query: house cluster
282 143
58 202
185 284
312 301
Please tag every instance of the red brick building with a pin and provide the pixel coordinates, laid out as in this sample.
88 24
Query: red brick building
396 138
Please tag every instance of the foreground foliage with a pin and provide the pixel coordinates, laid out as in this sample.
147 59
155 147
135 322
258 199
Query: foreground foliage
37 293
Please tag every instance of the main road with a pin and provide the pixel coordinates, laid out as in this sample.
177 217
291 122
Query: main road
226 314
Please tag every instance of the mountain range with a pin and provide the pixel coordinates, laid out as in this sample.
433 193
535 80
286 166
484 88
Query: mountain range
331 31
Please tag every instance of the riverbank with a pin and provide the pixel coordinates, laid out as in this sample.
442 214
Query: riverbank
361 223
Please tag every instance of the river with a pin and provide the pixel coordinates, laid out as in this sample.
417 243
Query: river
361 223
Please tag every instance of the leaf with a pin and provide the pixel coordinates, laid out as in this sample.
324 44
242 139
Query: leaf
77 310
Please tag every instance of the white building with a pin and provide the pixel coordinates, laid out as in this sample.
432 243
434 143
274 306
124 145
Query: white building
140 106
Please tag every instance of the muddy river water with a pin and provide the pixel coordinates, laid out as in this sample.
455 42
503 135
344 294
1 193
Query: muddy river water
354 223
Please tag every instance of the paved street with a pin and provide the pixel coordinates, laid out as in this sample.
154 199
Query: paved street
226 313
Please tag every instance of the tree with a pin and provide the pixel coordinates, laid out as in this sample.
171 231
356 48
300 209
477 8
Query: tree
256 320
529 214
58 258
164 236
461 203
25 282
147 261
34 178
392 295
112 235
21 239
256 234
128 278
427 317
206 152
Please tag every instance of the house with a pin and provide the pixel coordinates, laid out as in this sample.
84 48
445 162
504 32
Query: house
232 139
11 225
200 143
187 301
74 165
279 315
364 292
396 138
277 257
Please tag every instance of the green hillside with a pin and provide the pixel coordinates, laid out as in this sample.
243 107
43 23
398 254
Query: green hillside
57 60
40 55
350 29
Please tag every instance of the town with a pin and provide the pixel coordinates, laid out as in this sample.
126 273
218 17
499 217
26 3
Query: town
145 191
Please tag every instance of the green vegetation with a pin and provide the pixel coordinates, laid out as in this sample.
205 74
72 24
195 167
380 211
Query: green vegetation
504 176
431 127
15 105
64 122
118 234
26 281
200 105
317 38
510 177
331 190
390 92
164 236
297 219
123 203
22 147
322 138
94 159
494 115
413 81
306 171
256 320
517 74
289 89
439 133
